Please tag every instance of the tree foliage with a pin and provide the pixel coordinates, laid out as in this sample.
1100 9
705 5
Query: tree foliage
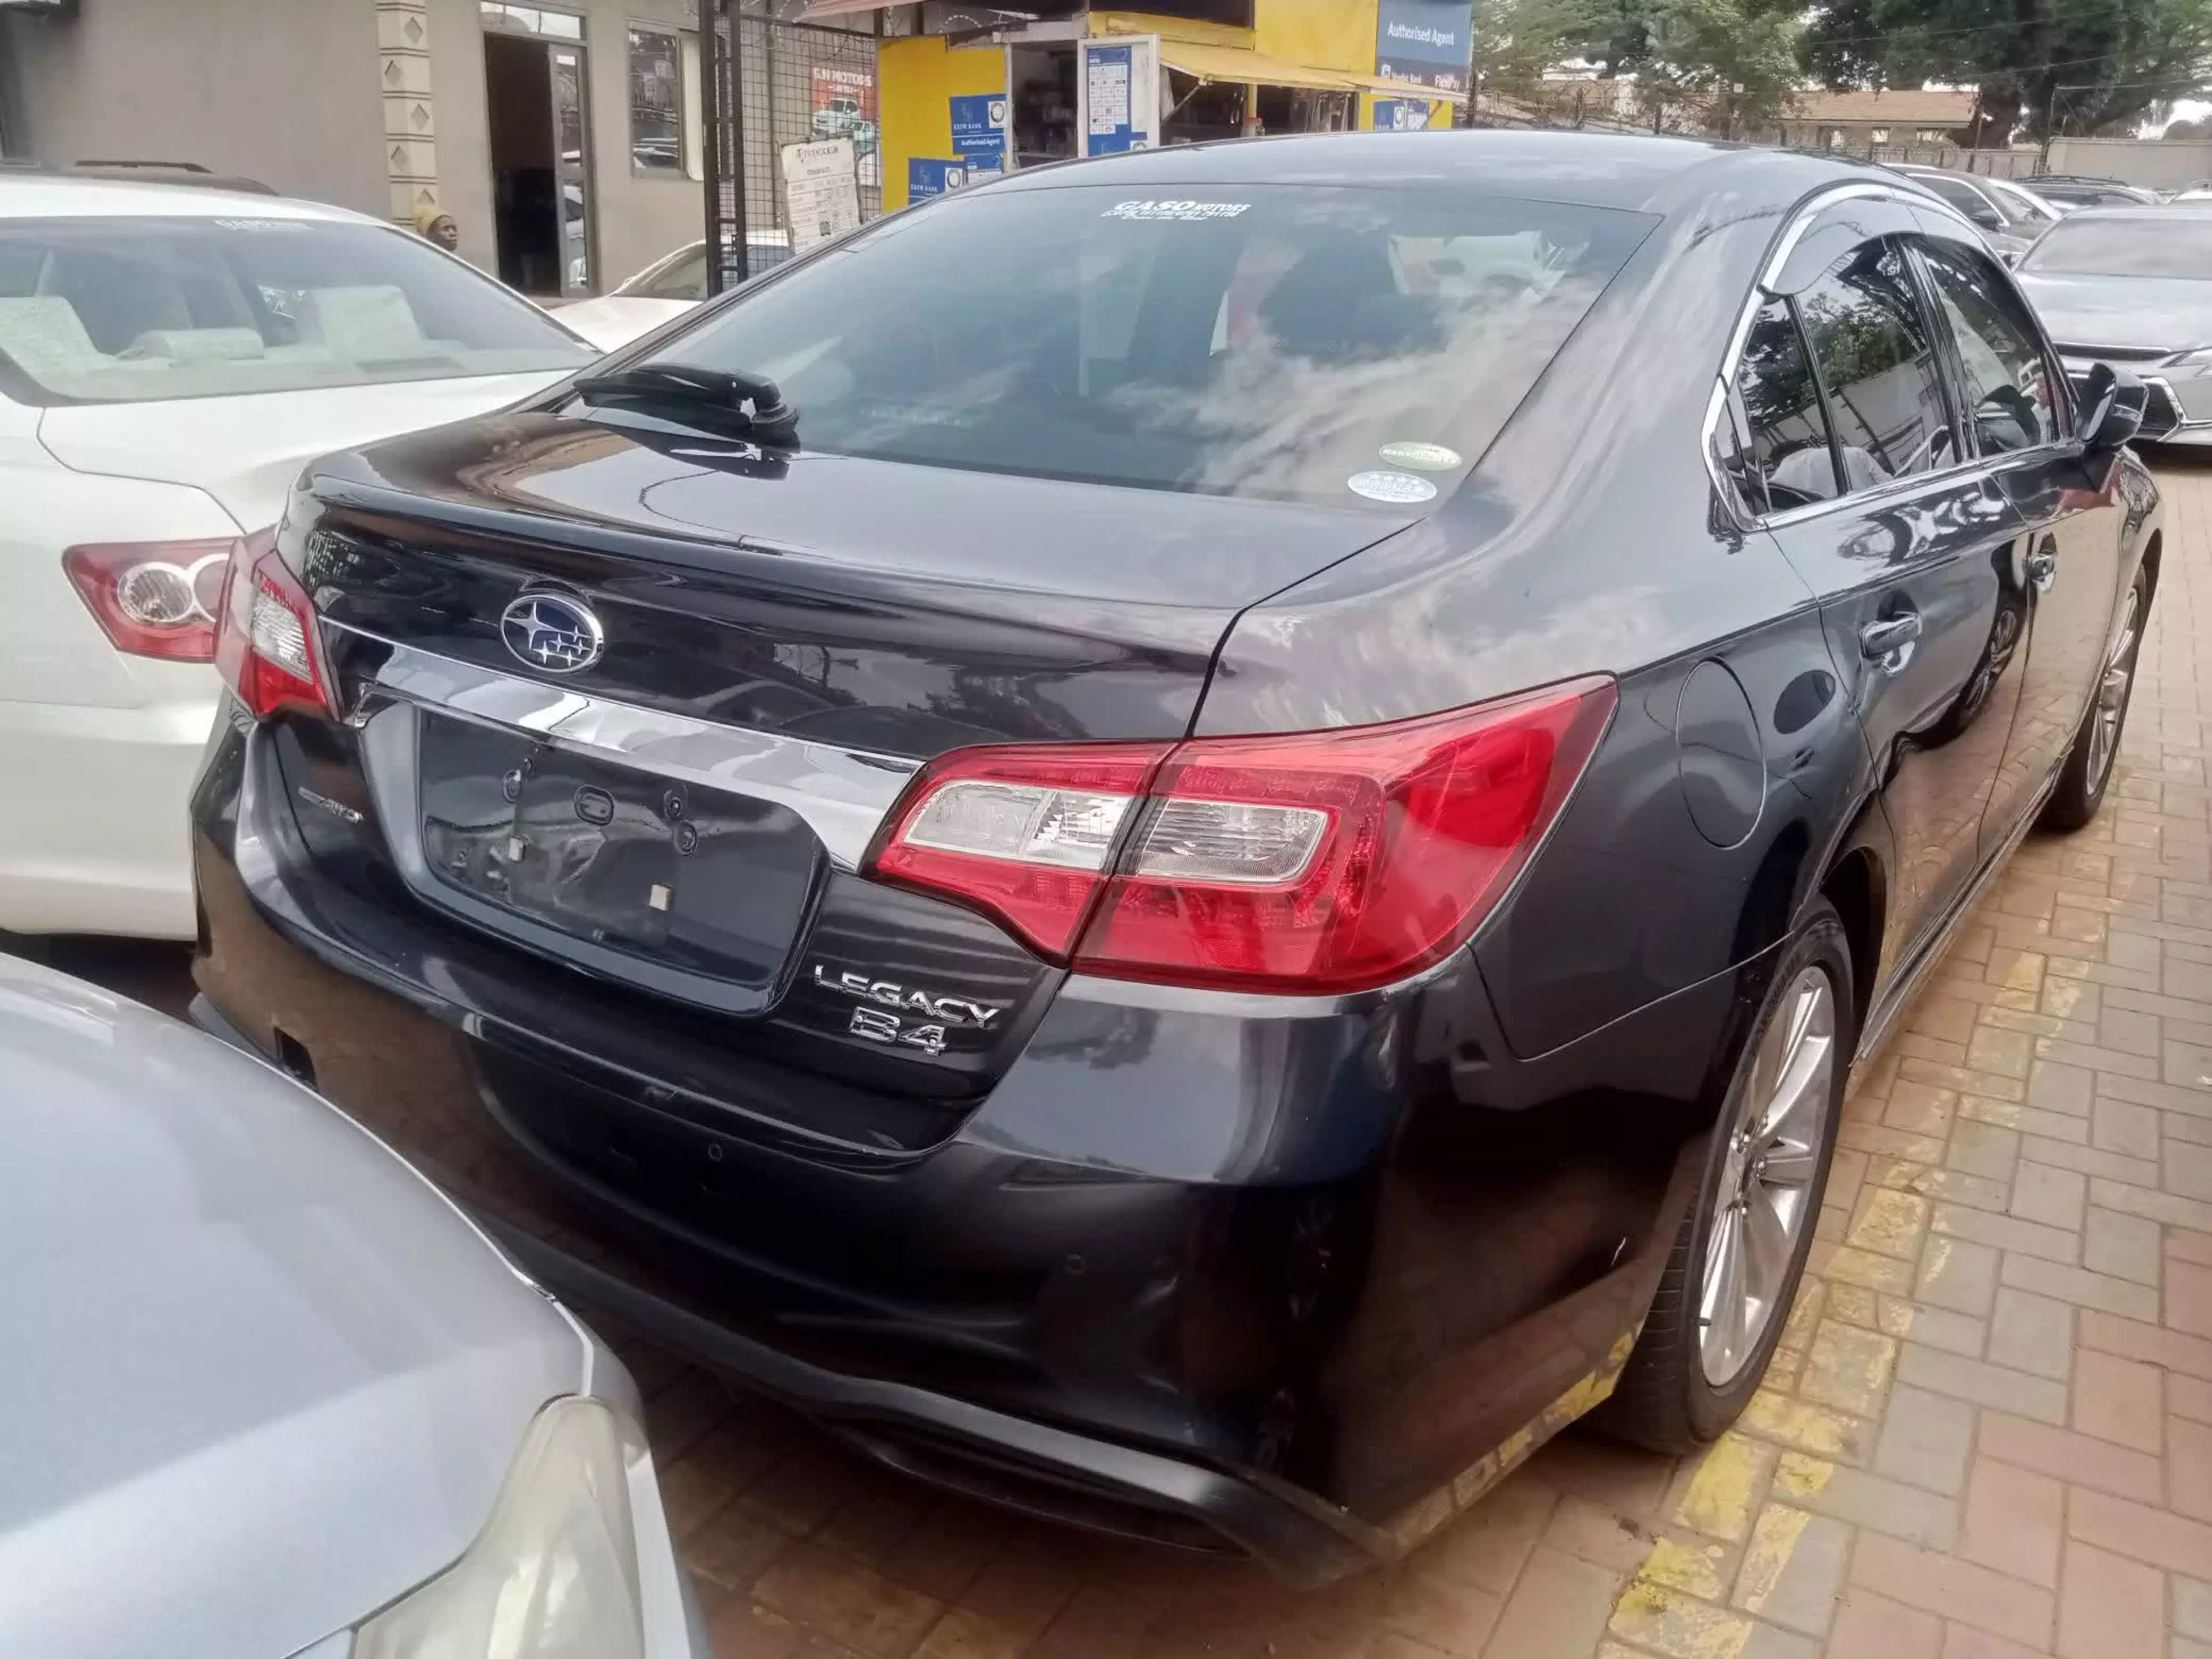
1732 64
2075 66
1515 41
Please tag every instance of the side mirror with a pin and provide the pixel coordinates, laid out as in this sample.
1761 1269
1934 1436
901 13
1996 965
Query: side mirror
2108 410
1988 218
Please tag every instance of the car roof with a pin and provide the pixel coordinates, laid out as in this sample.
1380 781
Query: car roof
1640 172
37 195
2157 212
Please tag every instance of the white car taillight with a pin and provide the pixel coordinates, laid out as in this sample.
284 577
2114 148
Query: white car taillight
153 598
266 648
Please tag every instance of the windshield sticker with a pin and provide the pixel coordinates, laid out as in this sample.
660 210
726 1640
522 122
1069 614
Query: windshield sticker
1390 486
1422 458
1175 209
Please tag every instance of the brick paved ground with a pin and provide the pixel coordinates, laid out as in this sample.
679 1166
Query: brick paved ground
1989 1433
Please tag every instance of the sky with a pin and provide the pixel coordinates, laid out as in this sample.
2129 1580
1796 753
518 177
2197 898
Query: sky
2184 109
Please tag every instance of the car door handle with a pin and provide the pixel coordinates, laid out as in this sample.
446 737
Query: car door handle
2043 568
1888 643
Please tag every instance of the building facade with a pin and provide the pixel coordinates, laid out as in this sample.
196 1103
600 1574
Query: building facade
1863 123
564 141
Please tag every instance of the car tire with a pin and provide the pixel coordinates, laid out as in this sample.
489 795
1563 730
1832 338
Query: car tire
1674 1396
2089 767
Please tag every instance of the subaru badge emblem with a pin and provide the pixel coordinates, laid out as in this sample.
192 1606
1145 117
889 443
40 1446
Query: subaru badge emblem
553 632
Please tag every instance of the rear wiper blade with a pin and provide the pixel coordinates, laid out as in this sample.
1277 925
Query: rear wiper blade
754 398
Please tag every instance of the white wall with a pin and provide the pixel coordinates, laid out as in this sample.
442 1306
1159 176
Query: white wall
283 91
2135 161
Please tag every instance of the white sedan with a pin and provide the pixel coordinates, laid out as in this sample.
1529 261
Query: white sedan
669 287
169 359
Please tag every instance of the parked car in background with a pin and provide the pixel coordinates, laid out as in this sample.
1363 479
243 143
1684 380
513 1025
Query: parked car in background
2009 217
1120 842
666 289
254 1355
2069 192
2132 288
169 358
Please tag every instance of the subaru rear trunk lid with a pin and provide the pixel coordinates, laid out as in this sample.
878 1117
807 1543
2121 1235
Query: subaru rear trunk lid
682 811
899 608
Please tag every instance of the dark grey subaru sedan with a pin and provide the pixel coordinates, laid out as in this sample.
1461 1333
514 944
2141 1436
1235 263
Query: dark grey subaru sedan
1196 841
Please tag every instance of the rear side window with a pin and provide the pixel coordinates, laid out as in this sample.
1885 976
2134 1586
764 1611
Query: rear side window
1341 345
1788 463
1875 356
2008 381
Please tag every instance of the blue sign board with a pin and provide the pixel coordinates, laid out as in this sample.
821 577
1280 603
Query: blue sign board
928 176
1432 41
1400 114
979 127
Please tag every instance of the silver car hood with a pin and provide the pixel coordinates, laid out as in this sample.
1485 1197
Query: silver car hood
256 1378
2168 313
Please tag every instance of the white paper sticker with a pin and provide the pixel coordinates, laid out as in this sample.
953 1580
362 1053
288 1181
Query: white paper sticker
1422 458
1391 486
1175 209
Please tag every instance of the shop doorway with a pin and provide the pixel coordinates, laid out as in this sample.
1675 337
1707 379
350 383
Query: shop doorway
1297 109
1043 79
535 92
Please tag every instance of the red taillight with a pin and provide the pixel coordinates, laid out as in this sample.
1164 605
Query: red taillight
266 647
1309 862
153 598
1026 833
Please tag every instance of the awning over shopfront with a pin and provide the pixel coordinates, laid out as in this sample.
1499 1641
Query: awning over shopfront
1242 65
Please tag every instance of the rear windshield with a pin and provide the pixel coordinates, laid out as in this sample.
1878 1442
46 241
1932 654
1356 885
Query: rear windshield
1337 345
2181 246
135 310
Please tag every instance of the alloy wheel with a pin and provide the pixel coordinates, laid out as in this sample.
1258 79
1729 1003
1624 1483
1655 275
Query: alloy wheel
2112 694
1766 1195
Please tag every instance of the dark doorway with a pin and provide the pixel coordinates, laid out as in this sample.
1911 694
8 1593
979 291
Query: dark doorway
1044 103
541 207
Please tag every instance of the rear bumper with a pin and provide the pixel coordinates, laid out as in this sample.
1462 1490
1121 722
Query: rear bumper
95 838
1301 1280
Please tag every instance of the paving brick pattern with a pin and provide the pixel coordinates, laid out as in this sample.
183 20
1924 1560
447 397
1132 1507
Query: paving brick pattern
1988 1433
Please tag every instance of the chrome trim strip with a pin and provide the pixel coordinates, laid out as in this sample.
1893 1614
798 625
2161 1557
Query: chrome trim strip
843 794
1245 1004
1898 997
2182 423
1791 235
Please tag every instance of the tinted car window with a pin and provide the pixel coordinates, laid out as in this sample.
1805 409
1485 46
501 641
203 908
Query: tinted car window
2008 379
1877 363
2020 206
1961 195
136 310
681 276
1789 463
1332 345
2170 244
